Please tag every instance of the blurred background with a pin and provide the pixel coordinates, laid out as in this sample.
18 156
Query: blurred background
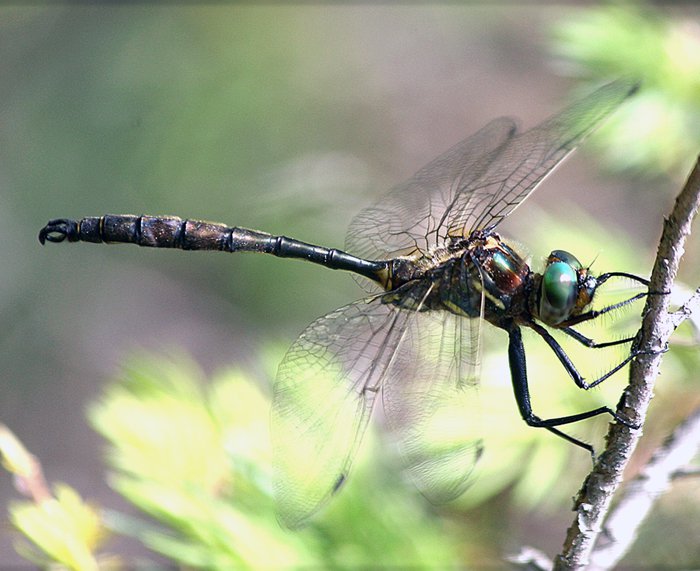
290 119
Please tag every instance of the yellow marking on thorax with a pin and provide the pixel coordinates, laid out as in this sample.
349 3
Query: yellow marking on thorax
496 301
455 309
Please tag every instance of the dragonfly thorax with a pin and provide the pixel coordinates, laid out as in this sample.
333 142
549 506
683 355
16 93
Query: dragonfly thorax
457 277
499 271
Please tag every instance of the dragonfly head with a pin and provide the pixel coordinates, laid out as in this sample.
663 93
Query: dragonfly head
566 288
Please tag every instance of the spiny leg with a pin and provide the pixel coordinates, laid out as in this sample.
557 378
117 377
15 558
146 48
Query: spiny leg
518 369
571 368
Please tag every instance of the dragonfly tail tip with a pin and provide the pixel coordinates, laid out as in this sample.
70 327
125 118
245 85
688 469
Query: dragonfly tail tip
59 230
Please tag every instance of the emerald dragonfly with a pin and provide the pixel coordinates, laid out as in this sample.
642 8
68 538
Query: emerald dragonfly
437 268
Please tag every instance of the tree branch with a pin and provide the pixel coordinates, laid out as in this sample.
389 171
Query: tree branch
624 521
593 501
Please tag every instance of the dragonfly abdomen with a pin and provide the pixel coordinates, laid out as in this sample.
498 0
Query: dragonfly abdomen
157 232
186 234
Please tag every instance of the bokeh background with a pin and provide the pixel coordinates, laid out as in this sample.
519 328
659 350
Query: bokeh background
290 119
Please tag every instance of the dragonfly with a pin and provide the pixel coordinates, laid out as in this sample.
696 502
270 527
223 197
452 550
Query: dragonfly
436 268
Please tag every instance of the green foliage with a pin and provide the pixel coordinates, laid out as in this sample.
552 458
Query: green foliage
656 132
62 528
66 529
195 457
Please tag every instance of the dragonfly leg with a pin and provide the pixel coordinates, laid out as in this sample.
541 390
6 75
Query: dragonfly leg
635 352
605 277
568 364
594 313
588 342
518 371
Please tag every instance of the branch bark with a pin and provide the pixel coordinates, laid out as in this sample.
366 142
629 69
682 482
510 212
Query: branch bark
593 501
623 523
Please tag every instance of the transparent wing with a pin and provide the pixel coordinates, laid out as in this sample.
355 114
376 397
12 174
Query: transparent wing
527 159
478 182
406 219
429 397
323 396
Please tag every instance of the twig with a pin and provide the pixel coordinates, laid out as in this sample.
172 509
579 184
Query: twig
641 493
686 472
593 501
686 311
29 478
530 559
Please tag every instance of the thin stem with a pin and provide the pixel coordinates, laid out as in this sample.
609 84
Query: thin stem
654 479
29 477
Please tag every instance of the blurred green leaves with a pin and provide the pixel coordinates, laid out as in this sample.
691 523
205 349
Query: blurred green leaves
66 529
656 132
62 527
194 459
194 455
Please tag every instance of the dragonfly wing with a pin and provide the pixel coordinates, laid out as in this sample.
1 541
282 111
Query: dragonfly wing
429 399
323 396
524 161
405 220
478 182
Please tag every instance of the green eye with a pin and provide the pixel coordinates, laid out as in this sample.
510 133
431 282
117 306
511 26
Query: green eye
559 292
566 257
560 285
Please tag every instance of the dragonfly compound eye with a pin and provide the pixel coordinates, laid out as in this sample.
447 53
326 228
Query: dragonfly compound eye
559 292
566 257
